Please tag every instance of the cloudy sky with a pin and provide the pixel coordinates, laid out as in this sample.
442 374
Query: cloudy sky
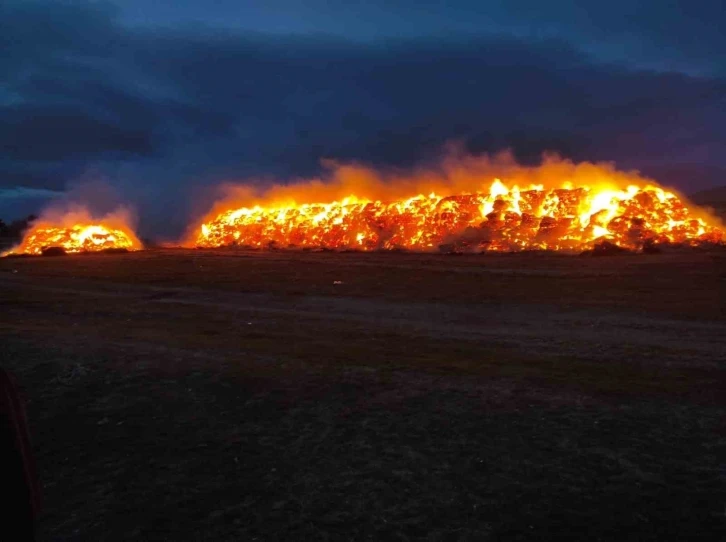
162 99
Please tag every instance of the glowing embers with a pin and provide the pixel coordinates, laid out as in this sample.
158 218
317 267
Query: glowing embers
500 219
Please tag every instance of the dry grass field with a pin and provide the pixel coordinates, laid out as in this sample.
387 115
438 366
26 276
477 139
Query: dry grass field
231 395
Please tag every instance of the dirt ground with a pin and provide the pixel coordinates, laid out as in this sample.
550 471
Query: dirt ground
229 395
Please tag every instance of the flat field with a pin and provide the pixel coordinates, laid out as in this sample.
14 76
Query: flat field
230 395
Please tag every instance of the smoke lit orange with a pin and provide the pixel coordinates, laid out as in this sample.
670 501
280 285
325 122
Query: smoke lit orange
500 217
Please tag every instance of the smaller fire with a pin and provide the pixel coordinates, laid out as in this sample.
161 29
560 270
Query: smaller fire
78 232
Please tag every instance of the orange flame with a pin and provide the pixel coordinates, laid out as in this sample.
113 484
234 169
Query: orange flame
583 204
77 232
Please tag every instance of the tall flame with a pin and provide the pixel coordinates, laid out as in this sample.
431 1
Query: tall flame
593 204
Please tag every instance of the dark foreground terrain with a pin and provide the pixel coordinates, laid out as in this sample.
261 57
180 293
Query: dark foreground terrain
189 395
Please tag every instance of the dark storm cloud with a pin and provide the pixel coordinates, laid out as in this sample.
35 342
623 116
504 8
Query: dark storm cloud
73 89
20 193
54 132
683 35
161 111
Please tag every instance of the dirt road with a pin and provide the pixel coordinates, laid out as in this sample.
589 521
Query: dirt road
212 395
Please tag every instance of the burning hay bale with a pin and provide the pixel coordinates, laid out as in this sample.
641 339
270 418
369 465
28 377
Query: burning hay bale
71 234
574 219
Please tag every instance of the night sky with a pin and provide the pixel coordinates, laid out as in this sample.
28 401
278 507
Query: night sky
161 98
